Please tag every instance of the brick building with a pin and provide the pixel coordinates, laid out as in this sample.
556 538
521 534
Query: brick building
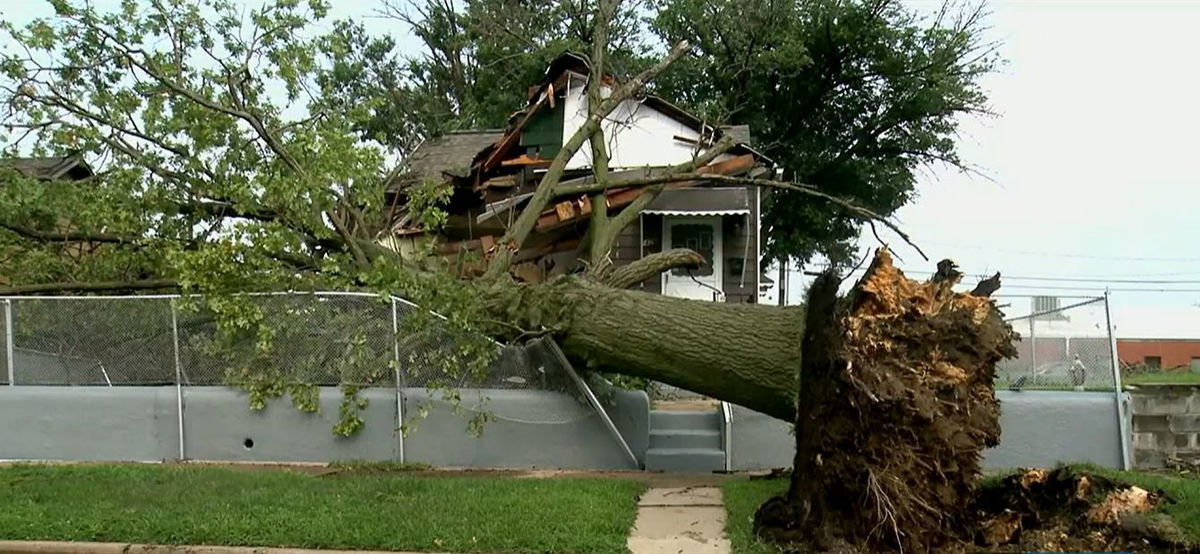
1159 337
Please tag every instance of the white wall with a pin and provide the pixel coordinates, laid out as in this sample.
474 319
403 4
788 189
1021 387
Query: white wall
636 135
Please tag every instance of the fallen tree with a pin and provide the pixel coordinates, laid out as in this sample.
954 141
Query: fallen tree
208 188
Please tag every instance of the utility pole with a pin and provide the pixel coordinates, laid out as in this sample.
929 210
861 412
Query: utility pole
783 274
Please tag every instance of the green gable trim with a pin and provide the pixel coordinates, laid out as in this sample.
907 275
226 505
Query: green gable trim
544 132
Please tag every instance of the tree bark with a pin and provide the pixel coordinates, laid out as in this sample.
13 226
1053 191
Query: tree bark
742 353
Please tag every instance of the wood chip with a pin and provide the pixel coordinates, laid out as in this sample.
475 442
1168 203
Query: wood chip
1133 500
565 210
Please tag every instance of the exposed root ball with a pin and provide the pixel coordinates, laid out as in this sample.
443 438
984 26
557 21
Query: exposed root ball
896 405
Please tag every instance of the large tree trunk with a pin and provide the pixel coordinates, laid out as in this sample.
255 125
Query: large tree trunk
893 401
742 353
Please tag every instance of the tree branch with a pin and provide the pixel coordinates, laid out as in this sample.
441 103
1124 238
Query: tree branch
68 235
90 286
651 266
598 224
523 226
854 209
589 185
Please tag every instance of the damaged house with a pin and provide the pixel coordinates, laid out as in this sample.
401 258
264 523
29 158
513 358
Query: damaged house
494 172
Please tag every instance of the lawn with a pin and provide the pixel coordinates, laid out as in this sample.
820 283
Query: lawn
743 497
354 510
1165 377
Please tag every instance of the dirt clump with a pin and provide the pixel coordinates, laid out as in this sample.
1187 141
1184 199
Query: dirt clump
1066 510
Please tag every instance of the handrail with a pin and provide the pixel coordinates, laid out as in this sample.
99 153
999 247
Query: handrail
727 412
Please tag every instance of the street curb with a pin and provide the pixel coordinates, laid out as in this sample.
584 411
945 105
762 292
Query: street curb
55 547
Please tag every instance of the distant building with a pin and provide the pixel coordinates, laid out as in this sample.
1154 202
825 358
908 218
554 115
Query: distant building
1166 337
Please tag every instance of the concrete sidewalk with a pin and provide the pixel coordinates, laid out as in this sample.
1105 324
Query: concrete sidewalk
674 520
52 547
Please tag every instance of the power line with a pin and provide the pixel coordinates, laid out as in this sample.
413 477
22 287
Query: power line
1054 279
1098 289
1066 255
1094 280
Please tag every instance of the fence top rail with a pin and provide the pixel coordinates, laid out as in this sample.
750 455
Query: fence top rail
175 296
1055 310
1065 297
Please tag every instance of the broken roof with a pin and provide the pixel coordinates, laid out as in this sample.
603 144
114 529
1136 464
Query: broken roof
50 168
739 133
459 153
450 154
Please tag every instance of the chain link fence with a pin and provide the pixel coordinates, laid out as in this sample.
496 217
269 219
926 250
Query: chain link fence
272 344
1064 344
321 339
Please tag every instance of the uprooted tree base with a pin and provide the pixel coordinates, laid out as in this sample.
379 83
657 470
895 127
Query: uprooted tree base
895 408
896 405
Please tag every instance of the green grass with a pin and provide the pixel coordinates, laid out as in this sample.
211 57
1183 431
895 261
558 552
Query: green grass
388 466
221 506
742 499
1166 377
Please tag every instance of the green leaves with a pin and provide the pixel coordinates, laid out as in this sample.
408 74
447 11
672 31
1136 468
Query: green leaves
852 97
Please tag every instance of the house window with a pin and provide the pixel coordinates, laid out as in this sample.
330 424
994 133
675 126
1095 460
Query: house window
697 237
1154 362
1195 367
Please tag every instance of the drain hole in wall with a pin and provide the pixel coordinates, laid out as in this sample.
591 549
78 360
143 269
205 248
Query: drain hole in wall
248 443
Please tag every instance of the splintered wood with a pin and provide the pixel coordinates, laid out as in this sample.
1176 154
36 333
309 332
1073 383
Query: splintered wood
896 407
1069 510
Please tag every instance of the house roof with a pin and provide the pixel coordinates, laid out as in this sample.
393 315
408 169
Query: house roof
739 133
450 154
49 168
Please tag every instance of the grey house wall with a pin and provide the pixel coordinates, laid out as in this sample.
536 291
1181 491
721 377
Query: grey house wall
739 240
1037 429
537 429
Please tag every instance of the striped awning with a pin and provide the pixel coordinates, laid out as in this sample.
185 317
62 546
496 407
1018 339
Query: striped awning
701 201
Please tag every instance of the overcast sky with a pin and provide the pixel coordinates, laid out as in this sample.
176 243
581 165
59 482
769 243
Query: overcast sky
1091 160
1092 157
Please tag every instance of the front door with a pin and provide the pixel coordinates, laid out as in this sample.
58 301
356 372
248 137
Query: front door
702 234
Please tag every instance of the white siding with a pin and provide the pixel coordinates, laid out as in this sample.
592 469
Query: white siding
636 135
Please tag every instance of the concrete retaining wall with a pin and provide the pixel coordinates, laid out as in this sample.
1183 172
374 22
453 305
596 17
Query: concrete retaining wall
1038 429
760 441
530 428
1043 428
1166 424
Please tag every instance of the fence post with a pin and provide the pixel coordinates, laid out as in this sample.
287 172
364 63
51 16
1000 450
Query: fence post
399 394
8 343
178 377
1126 462
1033 341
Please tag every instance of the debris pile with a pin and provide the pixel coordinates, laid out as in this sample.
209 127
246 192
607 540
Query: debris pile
1066 510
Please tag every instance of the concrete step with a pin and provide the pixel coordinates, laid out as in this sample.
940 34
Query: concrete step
685 438
685 460
705 420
